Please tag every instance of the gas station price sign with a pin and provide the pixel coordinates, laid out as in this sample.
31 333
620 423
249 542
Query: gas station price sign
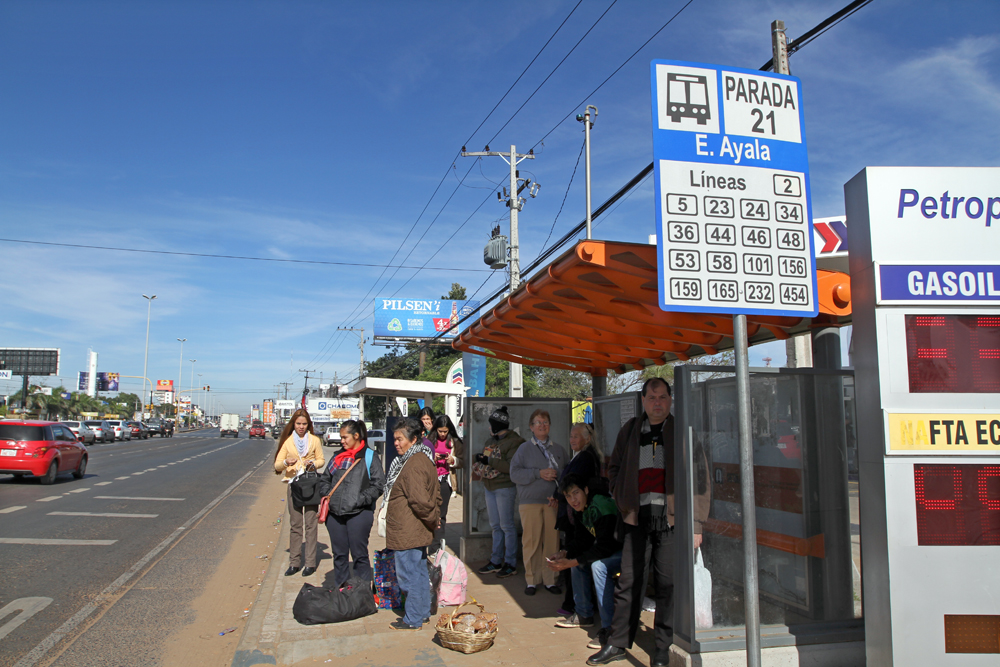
732 187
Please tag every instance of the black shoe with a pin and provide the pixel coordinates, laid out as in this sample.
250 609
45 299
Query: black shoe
529 590
660 659
291 570
399 624
607 654
506 571
308 571
555 590
489 568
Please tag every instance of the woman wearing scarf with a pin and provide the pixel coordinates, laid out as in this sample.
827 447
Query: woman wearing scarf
299 450
535 469
449 455
413 499
352 505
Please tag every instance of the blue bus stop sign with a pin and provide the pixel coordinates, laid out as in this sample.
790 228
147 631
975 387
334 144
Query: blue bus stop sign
733 213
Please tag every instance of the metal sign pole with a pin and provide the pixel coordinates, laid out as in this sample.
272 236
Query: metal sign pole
750 595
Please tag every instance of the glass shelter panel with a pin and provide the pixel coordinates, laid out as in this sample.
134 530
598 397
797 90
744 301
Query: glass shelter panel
477 431
807 516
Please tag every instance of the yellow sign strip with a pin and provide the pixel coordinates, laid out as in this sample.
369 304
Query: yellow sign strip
944 433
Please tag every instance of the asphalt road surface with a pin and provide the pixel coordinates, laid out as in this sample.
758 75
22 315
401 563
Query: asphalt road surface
69 549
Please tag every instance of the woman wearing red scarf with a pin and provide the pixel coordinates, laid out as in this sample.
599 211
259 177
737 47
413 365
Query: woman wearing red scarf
352 506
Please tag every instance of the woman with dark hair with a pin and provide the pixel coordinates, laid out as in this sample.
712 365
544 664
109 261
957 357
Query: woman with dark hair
449 455
413 508
352 505
427 417
299 450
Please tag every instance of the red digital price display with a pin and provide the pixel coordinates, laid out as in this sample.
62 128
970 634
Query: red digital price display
957 505
953 354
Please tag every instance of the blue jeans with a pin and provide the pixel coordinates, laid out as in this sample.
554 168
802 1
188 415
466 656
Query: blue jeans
501 505
602 571
411 573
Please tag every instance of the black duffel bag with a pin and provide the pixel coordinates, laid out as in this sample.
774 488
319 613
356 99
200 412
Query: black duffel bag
305 489
328 605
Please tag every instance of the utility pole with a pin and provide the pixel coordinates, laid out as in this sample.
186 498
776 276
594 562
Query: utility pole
285 385
305 387
514 201
361 368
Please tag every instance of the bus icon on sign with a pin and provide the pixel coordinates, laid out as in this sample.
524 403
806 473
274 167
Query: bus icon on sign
687 97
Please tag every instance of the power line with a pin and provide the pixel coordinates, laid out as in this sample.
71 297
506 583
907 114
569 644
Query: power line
523 72
544 81
818 30
242 257
627 60
565 196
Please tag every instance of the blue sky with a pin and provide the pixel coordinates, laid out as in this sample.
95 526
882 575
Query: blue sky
320 130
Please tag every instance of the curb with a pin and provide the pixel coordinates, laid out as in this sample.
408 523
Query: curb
254 647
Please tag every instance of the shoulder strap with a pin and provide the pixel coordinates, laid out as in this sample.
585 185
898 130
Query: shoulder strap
342 478
369 455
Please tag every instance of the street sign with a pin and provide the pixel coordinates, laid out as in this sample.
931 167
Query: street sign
6 375
732 187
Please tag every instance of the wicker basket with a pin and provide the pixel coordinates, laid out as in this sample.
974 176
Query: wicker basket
466 642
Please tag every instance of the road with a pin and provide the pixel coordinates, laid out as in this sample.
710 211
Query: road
70 550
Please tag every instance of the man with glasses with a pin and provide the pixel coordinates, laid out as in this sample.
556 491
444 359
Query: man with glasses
641 471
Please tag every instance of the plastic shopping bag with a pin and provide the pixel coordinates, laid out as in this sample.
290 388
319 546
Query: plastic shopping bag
702 594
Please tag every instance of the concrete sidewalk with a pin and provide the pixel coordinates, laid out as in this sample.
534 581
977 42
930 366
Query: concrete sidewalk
528 635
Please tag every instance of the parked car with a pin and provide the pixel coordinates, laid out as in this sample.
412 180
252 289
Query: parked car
332 436
160 427
42 449
257 430
121 429
102 429
82 433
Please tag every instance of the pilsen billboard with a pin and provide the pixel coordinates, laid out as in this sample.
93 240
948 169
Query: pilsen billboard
415 320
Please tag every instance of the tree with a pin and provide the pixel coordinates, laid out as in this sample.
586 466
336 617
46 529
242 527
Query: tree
633 380
457 293
557 383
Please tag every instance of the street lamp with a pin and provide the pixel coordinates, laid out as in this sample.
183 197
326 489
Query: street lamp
145 361
191 393
180 368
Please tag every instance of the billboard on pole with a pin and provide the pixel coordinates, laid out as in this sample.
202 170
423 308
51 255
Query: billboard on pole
164 385
400 320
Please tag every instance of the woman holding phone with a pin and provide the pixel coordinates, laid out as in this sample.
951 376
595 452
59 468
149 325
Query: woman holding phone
299 450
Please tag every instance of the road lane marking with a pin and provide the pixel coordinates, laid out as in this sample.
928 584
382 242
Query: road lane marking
28 608
161 466
102 483
138 473
79 490
8 510
56 543
111 514
125 477
49 499
134 498
43 647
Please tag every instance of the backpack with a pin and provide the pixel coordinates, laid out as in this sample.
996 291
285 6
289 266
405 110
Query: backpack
454 579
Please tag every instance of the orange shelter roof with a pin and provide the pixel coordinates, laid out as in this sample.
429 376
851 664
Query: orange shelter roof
596 308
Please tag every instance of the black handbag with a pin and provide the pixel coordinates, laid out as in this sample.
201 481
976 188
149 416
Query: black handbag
305 489
315 605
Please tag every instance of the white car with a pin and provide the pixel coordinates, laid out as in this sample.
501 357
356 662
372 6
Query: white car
121 429
332 436
82 433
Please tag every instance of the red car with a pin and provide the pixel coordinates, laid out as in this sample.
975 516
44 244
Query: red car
257 431
42 449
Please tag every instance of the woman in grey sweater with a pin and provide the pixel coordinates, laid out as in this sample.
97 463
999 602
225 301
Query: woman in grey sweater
534 470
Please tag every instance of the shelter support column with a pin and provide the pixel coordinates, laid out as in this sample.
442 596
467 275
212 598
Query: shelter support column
835 519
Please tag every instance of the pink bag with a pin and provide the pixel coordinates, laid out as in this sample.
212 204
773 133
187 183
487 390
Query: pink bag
454 579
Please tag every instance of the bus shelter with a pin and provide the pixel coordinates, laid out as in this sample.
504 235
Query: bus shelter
594 309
